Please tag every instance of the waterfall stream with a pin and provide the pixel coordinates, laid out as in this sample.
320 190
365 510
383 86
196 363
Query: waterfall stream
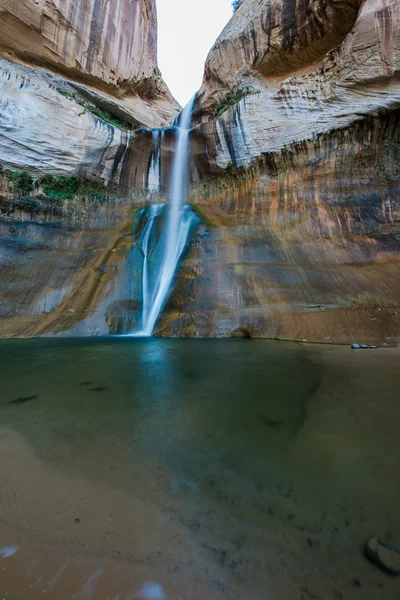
178 225
153 178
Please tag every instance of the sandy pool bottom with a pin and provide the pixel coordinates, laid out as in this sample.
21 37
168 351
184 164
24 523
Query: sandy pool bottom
196 470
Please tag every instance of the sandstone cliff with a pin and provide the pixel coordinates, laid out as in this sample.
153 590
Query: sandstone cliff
304 245
295 176
299 129
75 79
108 45
268 41
284 71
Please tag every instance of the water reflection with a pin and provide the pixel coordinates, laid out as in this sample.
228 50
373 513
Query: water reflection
225 464
8 551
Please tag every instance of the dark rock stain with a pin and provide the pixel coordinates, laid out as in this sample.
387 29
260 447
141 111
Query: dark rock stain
254 41
385 26
120 153
303 10
107 144
289 25
267 26
94 35
316 13
230 144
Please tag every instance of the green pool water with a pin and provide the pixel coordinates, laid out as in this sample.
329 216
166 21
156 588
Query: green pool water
252 469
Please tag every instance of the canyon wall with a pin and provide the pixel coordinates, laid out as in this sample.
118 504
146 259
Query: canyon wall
78 79
108 45
56 257
295 177
75 79
305 246
278 78
296 173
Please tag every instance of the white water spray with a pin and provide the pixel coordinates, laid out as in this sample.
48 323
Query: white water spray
177 229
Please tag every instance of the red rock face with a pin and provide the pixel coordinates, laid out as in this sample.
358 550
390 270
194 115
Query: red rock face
302 205
97 53
111 45
269 40
295 171
305 245
386 26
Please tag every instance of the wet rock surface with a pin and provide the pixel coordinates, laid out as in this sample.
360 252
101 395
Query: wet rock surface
292 245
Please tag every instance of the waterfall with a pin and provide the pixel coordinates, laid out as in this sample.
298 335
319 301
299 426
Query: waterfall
154 211
178 225
153 178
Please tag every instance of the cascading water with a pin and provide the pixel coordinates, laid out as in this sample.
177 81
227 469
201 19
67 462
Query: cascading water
154 211
178 226
153 179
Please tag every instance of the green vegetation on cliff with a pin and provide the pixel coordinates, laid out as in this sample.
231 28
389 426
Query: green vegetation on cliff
58 188
102 114
22 183
53 188
107 117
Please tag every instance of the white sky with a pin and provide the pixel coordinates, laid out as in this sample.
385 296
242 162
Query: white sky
187 29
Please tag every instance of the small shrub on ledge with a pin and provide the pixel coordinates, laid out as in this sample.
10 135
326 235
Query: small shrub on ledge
22 183
233 97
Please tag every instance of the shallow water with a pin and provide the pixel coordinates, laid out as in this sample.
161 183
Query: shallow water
185 469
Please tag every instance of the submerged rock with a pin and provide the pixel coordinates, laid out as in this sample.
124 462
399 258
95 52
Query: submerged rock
383 555
362 347
23 399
